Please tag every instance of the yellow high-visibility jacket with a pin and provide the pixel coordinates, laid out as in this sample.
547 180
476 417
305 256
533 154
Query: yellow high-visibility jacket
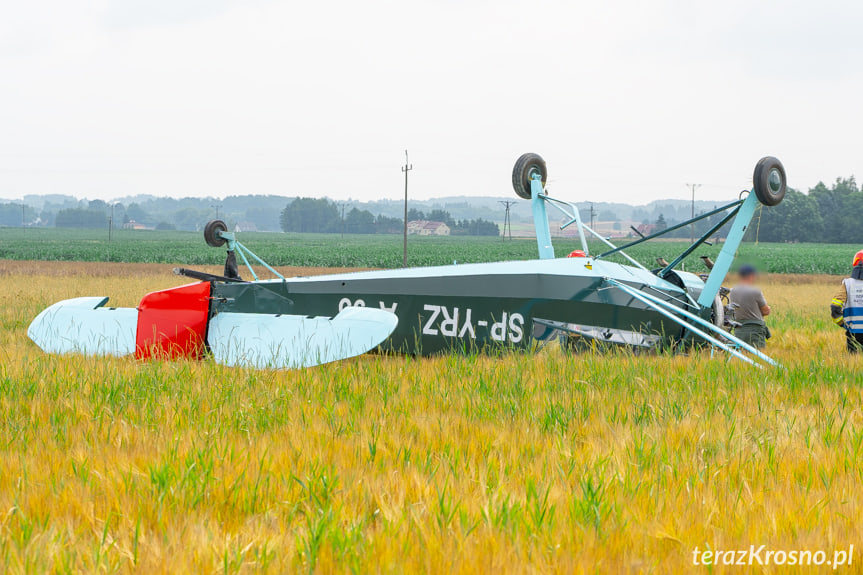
846 307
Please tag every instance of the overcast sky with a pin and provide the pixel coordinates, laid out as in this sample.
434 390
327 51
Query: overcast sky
626 100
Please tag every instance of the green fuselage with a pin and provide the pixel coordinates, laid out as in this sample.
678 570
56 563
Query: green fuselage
472 306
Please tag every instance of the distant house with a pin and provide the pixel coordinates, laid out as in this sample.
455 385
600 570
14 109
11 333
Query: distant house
424 228
133 225
245 227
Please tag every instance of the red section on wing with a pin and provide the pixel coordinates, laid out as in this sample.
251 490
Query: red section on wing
173 322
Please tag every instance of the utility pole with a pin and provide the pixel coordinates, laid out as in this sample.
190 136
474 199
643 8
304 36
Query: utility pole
218 207
111 222
693 187
23 218
592 215
406 168
342 206
507 223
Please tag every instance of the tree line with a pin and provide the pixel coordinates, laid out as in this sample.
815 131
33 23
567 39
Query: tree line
301 214
825 214
313 215
16 215
463 227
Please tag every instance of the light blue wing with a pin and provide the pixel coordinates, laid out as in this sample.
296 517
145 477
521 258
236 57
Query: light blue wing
295 341
84 325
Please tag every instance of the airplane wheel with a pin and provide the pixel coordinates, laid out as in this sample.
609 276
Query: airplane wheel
211 233
769 181
525 167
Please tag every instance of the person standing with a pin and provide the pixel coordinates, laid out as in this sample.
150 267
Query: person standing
750 308
846 308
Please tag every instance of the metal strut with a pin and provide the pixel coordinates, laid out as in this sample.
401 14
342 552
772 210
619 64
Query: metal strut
654 235
235 246
540 219
668 310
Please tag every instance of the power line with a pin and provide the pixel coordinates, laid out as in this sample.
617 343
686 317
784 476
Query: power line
507 223
218 207
406 168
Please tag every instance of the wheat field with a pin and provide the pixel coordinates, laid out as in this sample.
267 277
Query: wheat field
545 463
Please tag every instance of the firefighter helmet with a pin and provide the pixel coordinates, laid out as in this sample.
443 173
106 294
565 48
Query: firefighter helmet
858 259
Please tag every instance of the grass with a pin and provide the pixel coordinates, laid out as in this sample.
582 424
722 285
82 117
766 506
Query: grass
526 463
381 251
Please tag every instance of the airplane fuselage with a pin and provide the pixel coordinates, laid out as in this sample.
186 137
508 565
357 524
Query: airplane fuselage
472 306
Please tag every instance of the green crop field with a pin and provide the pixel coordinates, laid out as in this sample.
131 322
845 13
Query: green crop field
520 463
322 250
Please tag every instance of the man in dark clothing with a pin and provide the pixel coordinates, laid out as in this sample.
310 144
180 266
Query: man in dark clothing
750 309
846 308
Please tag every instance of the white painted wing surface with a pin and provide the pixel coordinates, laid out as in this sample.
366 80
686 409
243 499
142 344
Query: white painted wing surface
295 341
83 325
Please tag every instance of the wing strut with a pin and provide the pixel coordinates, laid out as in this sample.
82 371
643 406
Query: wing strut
669 311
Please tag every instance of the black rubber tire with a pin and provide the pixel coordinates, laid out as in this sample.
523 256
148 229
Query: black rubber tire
768 181
212 238
525 167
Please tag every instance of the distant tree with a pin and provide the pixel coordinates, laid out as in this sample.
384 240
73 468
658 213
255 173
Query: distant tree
616 226
310 215
415 215
135 212
359 222
80 218
98 205
796 219
165 226
46 218
440 216
387 225
640 215
477 227
264 218
842 207
486 228
190 218
661 224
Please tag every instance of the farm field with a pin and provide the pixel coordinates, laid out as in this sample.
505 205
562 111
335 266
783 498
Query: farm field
377 251
468 464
